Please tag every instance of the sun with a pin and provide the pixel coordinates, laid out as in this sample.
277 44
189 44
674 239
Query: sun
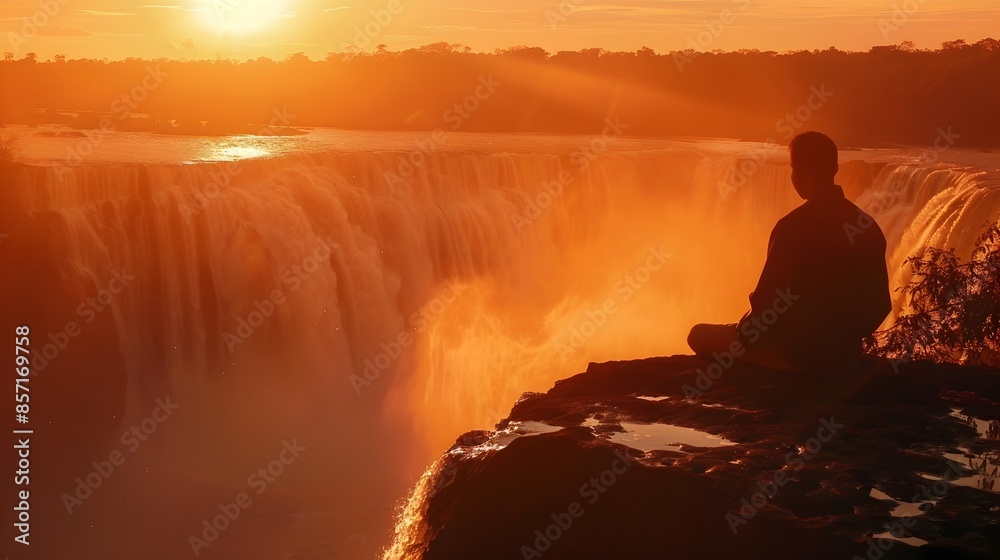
240 17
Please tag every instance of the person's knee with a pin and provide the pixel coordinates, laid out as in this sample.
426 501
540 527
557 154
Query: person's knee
696 339
705 338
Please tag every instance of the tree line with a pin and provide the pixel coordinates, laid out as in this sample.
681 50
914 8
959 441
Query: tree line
889 95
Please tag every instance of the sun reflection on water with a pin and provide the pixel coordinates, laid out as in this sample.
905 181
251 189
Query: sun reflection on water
232 153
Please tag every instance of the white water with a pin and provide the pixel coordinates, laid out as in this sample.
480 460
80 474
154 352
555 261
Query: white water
508 298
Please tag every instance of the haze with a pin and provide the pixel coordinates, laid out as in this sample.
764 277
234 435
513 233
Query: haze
244 29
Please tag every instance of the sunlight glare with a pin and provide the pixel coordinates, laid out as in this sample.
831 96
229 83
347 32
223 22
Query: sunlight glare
235 153
240 17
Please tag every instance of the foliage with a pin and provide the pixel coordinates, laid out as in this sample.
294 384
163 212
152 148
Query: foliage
897 94
954 307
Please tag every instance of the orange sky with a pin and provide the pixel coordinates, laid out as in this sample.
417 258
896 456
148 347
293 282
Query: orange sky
251 28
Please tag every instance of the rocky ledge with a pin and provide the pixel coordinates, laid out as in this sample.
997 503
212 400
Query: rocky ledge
686 458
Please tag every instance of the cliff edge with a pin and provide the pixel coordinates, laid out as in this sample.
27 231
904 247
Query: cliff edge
681 457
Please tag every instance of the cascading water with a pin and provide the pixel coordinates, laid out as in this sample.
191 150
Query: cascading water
309 295
919 207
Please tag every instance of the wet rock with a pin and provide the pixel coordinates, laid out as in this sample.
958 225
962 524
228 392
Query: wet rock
638 460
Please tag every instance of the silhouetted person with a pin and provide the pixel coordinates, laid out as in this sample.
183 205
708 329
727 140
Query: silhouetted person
824 286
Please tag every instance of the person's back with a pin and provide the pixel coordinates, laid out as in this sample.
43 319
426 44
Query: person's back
824 286
835 278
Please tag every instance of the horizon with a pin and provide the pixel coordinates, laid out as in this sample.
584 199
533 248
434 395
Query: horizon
249 29
443 47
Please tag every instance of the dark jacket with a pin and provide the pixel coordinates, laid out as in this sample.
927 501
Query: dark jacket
824 286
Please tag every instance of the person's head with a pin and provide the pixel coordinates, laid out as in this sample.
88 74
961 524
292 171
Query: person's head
814 163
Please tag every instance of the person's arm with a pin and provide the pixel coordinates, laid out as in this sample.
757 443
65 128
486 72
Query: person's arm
779 269
879 300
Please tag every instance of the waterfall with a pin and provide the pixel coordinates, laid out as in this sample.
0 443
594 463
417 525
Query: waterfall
920 207
532 241
428 299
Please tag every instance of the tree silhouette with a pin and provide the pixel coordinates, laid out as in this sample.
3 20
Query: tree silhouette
954 308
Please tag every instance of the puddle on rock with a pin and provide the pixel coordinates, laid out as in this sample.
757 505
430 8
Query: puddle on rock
912 541
902 509
659 437
515 430
987 464
502 438
987 429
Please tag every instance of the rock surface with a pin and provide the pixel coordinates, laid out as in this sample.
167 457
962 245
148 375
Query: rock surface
658 459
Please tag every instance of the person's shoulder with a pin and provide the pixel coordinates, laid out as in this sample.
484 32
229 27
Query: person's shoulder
788 230
862 230
865 221
800 215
